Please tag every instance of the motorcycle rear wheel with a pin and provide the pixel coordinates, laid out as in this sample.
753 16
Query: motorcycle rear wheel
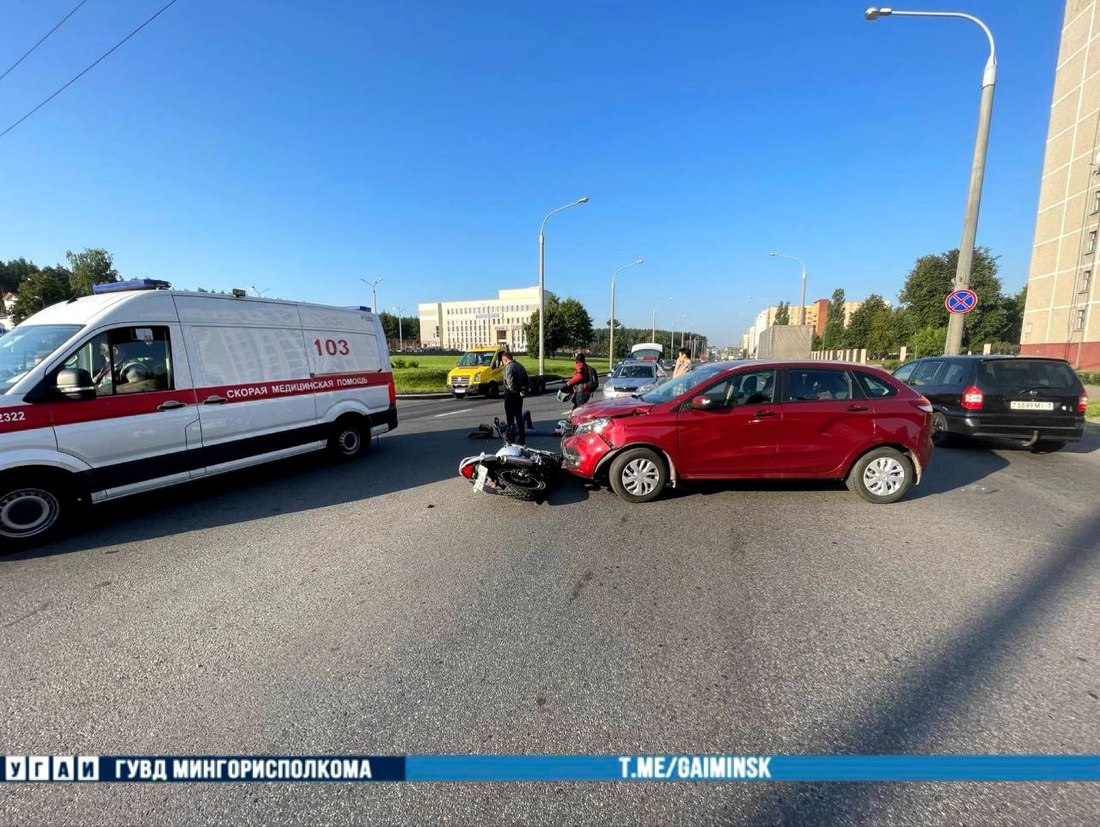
520 485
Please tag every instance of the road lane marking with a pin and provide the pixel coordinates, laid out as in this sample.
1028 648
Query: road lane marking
452 413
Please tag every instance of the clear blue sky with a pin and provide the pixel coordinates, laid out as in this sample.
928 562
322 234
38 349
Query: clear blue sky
300 146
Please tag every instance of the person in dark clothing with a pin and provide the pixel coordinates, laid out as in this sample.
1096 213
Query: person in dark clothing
579 384
515 386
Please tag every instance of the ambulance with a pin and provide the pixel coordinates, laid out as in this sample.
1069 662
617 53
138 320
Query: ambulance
139 386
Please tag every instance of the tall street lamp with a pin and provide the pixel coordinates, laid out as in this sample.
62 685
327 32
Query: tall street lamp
400 334
977 167
259 293
802 300
684 331
374 291
655 317
611 338
542 280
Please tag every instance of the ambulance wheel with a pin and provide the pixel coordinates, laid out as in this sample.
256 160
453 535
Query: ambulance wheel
350 438
34 508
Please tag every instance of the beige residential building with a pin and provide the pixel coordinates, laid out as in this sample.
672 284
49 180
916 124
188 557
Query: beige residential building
816 314
479 322
1062 316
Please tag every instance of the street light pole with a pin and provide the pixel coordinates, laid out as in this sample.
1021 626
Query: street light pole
655 318
611 337
400 333
542 280
802 298
374 291
977 168
684 331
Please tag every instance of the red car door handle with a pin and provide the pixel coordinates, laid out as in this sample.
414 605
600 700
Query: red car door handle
857 407
763 413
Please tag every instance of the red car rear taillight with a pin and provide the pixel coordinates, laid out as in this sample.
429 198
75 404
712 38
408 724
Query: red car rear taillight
973 398
1082 403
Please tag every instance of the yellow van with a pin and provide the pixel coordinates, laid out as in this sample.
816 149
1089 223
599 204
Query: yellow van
478 371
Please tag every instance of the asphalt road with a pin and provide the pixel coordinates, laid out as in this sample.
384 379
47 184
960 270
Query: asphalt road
385 607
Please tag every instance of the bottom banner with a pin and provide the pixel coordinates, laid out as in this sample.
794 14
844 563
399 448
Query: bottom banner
669 767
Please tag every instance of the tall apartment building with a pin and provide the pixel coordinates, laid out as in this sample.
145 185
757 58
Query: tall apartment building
816 316
479 322
1062 315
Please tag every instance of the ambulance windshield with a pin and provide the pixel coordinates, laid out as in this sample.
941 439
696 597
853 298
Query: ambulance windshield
26 346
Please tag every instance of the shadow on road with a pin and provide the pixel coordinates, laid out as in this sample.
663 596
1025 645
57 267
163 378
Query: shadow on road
941 686
398 462
1089 444
950 470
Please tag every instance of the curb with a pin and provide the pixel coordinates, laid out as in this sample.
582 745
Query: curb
447 394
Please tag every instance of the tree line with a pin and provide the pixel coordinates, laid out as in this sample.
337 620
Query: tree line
38 287
569 327
919 320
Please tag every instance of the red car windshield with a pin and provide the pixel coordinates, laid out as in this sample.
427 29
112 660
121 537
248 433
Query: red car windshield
681 385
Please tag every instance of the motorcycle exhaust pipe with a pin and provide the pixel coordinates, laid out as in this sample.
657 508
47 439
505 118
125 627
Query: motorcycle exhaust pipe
522 462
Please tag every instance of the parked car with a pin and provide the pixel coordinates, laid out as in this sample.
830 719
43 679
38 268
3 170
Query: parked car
757 420
628 378
1040 402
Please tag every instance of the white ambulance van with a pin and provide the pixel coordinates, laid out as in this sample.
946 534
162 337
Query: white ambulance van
139 386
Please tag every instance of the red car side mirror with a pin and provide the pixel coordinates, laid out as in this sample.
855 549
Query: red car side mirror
702 403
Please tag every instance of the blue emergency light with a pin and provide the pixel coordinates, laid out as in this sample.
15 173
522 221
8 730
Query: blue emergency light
131 284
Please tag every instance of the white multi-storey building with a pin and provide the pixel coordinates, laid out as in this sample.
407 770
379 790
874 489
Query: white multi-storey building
479 322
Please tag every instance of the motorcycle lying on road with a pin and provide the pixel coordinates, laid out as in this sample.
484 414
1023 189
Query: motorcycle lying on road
515 471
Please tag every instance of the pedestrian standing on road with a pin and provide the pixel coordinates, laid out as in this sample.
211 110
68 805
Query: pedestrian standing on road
580 383
683 363
516 383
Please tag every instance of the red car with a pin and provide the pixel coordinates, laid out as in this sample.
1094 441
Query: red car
757 420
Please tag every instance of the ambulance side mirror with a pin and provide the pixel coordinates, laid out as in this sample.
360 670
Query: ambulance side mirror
76 383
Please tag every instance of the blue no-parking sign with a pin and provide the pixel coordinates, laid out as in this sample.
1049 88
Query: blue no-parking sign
960 301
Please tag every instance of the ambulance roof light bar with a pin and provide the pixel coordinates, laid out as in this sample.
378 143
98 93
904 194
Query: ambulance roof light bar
131 284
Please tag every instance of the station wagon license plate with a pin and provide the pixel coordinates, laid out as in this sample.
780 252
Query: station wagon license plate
1029 405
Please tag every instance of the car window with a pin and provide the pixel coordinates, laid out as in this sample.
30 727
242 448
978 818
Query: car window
681 385
875 387
812 385
634 372
903 373
127 360
925 373
26 346
1024 374
755 388
955 374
